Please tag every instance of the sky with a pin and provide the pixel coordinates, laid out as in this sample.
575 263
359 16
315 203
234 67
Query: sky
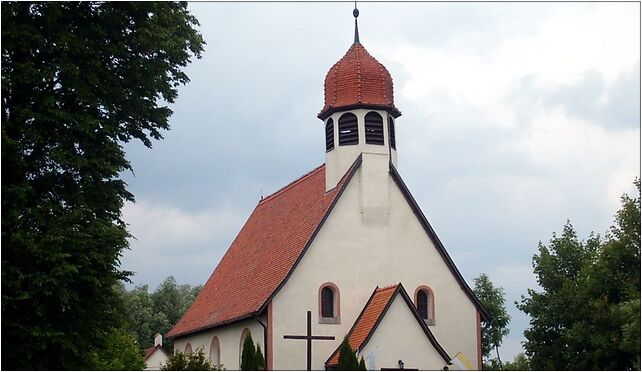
516 117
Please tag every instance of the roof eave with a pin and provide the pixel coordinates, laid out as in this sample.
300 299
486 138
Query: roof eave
391 109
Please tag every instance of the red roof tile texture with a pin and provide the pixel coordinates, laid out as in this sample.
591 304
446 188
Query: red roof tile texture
358 78
366 322
261 256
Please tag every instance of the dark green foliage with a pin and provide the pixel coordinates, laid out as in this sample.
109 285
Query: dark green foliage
248 357
519 363
347 357
587 315
158 312
493 300
78 80
122 352
188 362
259 360
362 365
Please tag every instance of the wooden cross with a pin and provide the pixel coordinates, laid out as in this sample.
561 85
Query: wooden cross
309 338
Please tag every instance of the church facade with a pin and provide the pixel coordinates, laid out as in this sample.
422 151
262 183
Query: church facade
346 242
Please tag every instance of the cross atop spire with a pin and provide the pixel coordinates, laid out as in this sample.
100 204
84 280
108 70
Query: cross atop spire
355 13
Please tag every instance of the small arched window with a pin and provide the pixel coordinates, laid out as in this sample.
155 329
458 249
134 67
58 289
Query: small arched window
215 352
329 303
348 130
391 132
425 303
329 135
374 128
188 348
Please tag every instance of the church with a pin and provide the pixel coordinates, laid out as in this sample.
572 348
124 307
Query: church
342 251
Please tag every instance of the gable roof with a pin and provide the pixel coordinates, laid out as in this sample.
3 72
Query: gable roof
264 253
151 350
371 316
440 247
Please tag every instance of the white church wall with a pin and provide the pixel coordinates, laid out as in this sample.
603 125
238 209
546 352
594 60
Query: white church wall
399 337
156 361
229 337
358 254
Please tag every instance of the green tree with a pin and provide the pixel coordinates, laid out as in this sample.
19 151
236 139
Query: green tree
159 311
188 362
362 365
259 360
587 314
79 79
493 300
519 363
347 357
122 353
248 356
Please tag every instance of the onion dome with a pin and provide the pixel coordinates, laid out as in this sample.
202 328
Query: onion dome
358 80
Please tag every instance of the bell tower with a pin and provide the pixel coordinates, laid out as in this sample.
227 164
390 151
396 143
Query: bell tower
359 114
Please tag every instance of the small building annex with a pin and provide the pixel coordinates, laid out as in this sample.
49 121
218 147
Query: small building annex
347 242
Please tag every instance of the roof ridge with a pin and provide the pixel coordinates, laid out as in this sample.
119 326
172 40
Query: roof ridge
388 287
282 189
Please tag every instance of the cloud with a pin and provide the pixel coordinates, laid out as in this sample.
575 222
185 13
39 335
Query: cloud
172 241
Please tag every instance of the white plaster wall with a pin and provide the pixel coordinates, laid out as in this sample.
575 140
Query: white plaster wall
229 338
156 361
358 254
399 337
341 158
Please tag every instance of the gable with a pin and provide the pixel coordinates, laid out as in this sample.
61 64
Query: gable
402 322
263 254
438 244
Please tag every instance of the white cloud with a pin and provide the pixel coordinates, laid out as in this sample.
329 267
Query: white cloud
172 241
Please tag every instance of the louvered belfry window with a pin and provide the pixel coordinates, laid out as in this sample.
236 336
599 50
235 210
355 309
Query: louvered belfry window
327 302
374 129
391 132
329 135
348 131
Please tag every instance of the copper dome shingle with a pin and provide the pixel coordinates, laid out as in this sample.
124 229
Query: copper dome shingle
358 79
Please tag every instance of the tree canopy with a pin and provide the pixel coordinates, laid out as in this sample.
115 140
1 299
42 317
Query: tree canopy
157 312
587 314
79 79
492 298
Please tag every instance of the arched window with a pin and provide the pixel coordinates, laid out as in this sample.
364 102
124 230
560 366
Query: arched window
329 135
244 334
374 128
425 303
329 303
348 130
188 348
391 132
215 352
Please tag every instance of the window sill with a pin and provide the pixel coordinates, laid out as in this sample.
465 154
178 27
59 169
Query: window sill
430 322
336 320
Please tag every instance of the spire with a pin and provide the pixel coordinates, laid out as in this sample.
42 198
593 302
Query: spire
355 13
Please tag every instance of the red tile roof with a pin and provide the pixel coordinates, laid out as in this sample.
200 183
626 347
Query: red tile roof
365 323
150 350
263 254
358 79
371 315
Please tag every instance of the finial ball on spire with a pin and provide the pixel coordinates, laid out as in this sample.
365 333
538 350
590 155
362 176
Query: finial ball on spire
355 12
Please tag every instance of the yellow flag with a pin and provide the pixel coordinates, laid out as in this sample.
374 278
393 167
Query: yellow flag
461 362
